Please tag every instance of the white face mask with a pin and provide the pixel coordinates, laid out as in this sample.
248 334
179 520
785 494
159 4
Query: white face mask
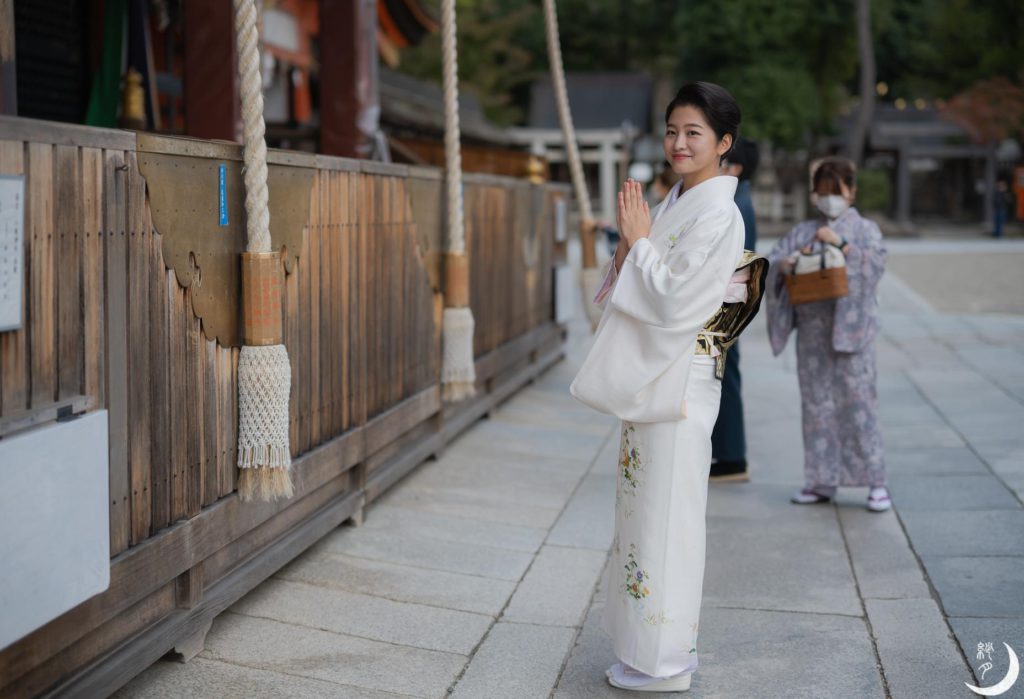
832 205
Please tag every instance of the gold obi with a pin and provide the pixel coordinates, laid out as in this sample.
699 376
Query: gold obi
724 328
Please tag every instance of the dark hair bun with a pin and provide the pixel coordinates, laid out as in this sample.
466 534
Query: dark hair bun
835 169
717 105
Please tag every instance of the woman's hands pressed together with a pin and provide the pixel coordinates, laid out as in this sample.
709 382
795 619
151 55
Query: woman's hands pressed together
634 215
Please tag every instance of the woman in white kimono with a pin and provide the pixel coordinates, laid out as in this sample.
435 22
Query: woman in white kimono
653 364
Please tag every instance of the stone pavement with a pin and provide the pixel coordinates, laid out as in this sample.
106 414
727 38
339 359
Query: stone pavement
478 575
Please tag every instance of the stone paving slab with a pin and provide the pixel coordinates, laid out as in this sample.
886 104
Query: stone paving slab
471 504
472 479
516 661
366 616
201 677
552 409
934 461
558 587
298 650
965 532
490 436
884 565
756 566
951 492
442 527
979 586
468 593
588 521
410 549
918 655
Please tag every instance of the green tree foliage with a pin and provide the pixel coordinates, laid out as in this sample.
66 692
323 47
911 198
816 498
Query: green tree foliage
786 63
938 48
791 65
499 48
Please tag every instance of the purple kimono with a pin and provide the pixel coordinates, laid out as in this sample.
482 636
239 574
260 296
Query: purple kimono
835 348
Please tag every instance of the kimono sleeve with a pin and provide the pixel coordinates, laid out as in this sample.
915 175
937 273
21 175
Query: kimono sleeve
779 312
653 289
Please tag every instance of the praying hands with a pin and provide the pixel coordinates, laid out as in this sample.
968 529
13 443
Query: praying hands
634 215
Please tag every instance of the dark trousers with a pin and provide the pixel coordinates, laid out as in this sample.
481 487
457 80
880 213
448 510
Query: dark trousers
728 440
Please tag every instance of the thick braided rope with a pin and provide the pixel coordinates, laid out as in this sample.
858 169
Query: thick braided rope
255 151
572 152
264 372
453 157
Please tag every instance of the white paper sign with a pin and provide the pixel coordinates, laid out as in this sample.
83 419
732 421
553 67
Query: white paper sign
54 521
12 250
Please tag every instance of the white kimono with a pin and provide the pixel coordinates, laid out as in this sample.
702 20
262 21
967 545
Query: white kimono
642 369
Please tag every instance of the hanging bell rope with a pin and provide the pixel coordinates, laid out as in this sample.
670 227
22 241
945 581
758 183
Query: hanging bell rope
264 372
458 373
590 276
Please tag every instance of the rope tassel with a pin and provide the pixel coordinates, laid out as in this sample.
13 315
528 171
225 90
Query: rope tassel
264 385
264 371
458 375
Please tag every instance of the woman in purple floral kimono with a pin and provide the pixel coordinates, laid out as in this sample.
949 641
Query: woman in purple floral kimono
835 344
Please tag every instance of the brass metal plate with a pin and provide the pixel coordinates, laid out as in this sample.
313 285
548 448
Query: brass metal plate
184 196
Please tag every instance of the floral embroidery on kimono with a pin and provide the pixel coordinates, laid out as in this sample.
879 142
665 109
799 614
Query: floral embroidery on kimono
630 467
636 577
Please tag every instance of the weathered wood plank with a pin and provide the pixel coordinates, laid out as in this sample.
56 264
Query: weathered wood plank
22 420
194 398
179 312
361 338
51 132
229 419
139 371
93 274
115 197
333 363
162 285
345 292
232 426
321 350
211 425
42 299
67 229
310 269
14 361
293 340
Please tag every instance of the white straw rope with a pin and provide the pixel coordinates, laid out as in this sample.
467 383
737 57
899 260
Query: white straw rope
453 156
255 152
572 152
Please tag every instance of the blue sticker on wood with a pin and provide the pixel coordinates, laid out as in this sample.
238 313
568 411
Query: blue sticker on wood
223 198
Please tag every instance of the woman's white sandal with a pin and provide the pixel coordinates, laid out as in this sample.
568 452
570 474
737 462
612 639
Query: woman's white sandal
646 683
878 499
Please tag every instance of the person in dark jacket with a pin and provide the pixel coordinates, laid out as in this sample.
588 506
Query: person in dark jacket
728 440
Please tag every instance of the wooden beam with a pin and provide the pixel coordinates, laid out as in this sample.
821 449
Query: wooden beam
348 74
8 74
212 108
